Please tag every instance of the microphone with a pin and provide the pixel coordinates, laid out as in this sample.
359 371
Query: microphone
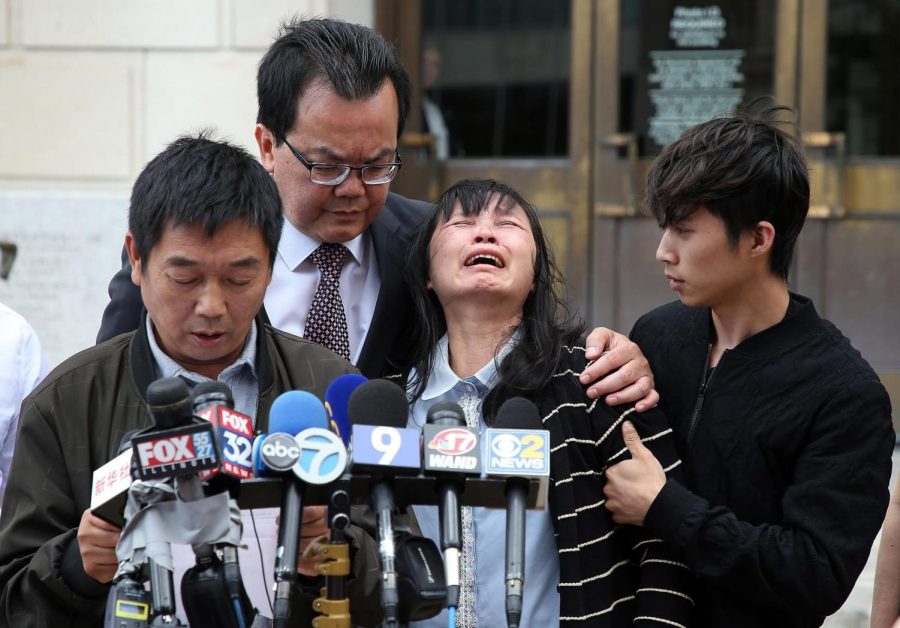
174 447
321 459
333 605
381 444
450 449
177 445
516 447
337 398
234 434
201 585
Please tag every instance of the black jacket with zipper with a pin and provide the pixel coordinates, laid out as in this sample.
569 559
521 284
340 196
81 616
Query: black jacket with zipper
73 423
787 455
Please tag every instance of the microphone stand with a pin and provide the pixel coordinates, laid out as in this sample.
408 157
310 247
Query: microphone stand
129 602
333 603
384 506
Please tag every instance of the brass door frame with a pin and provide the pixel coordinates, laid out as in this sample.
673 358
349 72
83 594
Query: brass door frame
841 186
855 200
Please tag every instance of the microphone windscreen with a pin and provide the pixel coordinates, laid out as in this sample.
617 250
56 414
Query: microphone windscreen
169 402
337 401
212 390
518 413
445 413
295 411
378 402
125 443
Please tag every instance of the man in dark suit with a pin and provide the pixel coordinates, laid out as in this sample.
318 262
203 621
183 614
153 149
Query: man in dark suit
332 94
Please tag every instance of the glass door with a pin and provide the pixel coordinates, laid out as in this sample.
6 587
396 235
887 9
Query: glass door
570 101
661 67
849 98
504 92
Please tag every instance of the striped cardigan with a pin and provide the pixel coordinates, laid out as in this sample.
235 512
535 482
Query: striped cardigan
610 574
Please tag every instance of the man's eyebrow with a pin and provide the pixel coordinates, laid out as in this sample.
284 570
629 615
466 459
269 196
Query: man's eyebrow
179 261
247 262
334 157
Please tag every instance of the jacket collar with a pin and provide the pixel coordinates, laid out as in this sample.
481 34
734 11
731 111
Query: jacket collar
143 366
791 331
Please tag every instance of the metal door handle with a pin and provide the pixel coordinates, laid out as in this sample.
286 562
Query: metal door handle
832 186
628 141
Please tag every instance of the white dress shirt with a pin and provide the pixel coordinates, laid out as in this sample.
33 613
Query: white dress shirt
22 367
434 120
295 278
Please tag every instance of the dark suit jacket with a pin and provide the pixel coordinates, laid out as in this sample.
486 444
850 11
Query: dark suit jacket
391 234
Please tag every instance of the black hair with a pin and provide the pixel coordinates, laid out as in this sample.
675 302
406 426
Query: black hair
198 180
743 168
353 59
546 325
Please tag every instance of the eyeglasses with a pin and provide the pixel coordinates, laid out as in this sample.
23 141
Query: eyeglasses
335 174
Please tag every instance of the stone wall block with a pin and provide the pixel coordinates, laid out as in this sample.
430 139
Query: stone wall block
66 115
131 24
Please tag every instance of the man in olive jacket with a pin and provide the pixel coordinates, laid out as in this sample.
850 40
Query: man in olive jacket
204 224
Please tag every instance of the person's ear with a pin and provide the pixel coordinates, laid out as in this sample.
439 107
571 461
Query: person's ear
763 238
134 258
265 140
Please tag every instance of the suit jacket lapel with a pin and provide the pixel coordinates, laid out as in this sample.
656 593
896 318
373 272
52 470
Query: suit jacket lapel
390 243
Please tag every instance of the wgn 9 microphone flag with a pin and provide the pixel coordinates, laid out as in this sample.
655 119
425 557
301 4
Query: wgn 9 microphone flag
378 411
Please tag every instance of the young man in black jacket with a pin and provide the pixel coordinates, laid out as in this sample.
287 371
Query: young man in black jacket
784 429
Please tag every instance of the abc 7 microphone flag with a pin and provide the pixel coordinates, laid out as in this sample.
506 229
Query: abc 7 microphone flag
315 455
323 456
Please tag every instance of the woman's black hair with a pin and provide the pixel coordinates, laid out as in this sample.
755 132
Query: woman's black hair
546 325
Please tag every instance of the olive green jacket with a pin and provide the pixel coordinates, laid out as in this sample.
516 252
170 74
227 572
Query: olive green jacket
74 422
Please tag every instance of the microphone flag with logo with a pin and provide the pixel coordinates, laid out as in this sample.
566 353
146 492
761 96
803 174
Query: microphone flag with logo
212 591
175 446
451 452
378 412
234 431
517 447
320 459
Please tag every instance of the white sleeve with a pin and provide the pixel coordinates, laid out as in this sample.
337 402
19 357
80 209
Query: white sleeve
22 367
